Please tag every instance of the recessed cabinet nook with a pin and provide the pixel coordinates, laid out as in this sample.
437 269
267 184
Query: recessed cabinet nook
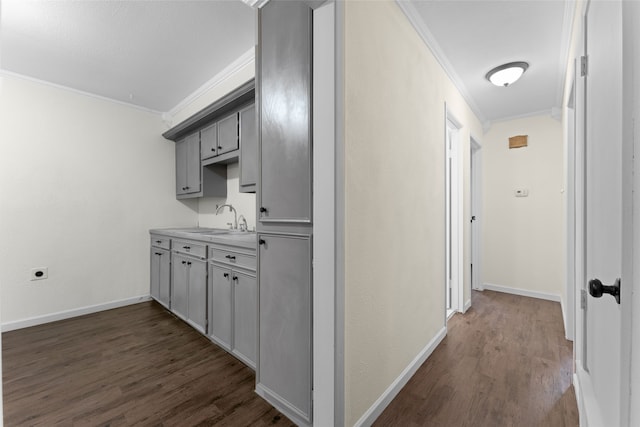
251 292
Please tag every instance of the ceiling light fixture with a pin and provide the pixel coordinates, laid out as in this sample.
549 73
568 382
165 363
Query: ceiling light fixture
507 74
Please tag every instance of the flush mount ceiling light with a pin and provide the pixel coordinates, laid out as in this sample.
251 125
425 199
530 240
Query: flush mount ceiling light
505 75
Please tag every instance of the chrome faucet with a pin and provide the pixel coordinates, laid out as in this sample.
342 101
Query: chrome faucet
234 226
242 223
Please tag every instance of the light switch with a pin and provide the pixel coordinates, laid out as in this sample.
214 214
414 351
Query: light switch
521 192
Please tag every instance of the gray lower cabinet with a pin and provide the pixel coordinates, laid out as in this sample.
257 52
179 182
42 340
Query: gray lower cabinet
189 292
284 376
220 303
233 311
248 150
160 275
188 165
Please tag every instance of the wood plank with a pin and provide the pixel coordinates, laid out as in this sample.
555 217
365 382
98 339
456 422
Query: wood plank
136 365
503 363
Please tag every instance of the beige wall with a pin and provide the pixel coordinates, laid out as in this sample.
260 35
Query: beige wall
82 180
395 93
523 237
245 203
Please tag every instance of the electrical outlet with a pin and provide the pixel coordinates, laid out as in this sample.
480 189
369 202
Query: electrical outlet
39 273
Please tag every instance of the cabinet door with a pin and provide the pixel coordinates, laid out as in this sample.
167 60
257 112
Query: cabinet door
220 305
248 150
228 134
181 166
179 282
245 317
285 321
197 294
193 163
285 112
209 141
160 275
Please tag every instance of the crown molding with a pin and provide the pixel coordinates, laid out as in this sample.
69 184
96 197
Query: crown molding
427 37
11 74
245 59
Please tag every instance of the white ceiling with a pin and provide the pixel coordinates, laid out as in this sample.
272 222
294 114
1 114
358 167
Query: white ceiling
156 53
148 53
473 36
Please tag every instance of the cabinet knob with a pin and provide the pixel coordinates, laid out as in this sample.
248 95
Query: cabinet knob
263 209
158 241
184 262
159 253
262 241
187 247
186 188
226 274
213 148
219 147
235 278
230 257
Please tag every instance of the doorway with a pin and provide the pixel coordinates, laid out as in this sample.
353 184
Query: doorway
475 175
453 227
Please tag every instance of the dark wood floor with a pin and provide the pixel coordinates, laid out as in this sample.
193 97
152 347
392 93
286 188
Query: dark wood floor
503 363
136 365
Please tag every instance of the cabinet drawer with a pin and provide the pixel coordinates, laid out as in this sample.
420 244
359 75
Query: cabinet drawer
160 242
233 258
190 248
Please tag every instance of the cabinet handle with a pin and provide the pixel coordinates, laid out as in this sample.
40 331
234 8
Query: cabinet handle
186 188
219 147
159 253
226 274
158 241
230 257
235 278
263 209
189 263
184 262
262 241
186 247
213 148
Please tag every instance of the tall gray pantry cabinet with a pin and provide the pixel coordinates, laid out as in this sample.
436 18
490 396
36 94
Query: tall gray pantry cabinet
284 202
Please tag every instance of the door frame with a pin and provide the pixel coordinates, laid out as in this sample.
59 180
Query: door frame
454 233
475 186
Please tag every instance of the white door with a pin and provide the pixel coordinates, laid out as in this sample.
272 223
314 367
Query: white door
600 370
453 293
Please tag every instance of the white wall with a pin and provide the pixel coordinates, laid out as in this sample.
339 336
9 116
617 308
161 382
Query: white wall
395 94
523 237
226 81
82 180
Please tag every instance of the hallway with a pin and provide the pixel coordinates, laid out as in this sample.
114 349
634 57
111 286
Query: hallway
503 363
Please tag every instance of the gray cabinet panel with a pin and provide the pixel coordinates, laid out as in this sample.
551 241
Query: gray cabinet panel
285 112
179 283
285 320
245 316
209 141
160 275
197 294
228 134
181 166
193 163
220 305
248 150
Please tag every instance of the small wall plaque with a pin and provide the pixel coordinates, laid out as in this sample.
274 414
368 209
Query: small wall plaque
518 141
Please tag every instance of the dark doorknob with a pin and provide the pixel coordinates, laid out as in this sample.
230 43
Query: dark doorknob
473 218
597 289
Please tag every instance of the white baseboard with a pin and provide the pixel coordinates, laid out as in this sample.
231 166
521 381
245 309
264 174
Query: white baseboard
75 312
589 411
580 402
392 391
521 292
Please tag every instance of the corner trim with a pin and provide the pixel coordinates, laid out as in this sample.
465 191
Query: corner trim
75 312
467 306
245 59
392 391
579 400
521 292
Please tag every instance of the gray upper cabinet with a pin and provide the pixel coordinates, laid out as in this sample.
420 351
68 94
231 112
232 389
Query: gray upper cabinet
209 141
228 134
284 75
248 150
285 370
188 165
